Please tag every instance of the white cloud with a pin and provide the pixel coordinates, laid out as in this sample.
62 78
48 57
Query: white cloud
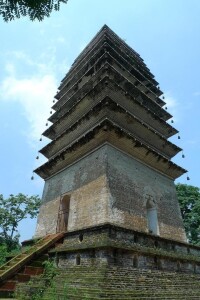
171 101
35 95
196 94
20 55
33 90
82 46
172 105
10 68
193 142
61 40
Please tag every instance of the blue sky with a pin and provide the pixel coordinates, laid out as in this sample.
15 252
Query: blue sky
35 56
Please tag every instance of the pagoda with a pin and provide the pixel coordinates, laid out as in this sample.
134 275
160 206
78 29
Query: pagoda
109 219
109 159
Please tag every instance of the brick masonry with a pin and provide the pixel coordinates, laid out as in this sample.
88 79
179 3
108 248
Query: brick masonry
130 183
112 245
108 186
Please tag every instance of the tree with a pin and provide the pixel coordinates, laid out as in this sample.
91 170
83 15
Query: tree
34 9
12 211
3 254
189 200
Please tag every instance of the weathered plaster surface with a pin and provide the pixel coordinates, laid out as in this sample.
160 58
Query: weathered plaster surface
130 185
86 183
108 186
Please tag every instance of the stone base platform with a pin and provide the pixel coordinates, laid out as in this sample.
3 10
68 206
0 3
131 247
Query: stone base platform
117 246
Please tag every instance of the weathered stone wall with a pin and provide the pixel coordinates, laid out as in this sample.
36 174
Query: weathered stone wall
89 205
87 258
47 218
111 245
108 186
86 183
77 175
131 183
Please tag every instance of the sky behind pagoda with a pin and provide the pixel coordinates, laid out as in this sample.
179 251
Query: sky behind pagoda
35 56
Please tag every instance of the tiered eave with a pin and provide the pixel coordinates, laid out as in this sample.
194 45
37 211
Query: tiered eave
109 96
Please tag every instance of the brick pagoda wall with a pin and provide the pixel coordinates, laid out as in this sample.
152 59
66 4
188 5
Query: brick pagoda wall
130 184
86 183
108 186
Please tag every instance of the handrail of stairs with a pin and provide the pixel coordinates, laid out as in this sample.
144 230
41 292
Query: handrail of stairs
9 268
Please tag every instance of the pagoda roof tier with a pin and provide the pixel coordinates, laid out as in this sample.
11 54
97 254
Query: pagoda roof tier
105 87
106 34
104 31
108 132
90 70
88 67
130 87
108 109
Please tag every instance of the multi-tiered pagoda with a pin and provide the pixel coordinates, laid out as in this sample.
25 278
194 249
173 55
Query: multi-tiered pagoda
109 160
109 219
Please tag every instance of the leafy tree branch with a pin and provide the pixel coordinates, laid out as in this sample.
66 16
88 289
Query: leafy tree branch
189 200
12 211
34 9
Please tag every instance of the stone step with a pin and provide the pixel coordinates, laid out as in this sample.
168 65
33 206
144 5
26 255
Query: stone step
20 277
29 270
122 284
8 285
6 295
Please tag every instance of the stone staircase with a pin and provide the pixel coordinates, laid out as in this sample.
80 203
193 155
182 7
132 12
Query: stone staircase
151 284
119 283
25 265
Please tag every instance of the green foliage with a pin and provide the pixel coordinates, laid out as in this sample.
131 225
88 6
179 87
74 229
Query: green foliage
12 211
34 9
46 287
3 253
189 200
50 271
38 286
